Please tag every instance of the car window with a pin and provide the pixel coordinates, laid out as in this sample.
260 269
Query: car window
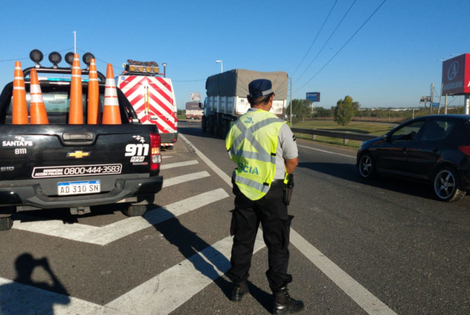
57 99
408 132
437 130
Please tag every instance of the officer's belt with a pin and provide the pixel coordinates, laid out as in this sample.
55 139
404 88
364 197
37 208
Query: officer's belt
277 182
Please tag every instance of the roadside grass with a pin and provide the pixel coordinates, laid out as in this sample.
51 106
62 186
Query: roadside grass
377 129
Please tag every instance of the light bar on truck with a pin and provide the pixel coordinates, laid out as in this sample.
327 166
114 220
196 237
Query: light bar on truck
141 67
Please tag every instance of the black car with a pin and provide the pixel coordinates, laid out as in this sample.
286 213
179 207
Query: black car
434 149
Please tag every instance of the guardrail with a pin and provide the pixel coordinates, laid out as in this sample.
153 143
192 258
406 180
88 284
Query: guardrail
334 134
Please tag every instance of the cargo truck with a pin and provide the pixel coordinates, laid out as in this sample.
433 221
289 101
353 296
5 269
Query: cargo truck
226 98
193 110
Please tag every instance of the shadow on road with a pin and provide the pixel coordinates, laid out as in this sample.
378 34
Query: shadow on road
350 173
190 245
16 298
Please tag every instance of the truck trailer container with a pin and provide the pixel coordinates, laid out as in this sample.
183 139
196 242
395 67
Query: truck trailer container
226 98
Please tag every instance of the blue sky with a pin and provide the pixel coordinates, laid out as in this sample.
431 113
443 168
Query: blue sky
390 61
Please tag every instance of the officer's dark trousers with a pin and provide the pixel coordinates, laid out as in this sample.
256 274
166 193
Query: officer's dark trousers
272 213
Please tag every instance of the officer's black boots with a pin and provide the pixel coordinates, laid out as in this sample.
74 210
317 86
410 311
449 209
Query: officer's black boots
239 289
284 304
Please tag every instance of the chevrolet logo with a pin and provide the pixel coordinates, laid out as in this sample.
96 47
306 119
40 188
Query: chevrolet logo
78 154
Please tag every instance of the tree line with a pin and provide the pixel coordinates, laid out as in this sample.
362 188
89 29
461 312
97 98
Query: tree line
346 109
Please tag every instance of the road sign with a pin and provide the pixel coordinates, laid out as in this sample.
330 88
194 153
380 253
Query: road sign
195 97
313 96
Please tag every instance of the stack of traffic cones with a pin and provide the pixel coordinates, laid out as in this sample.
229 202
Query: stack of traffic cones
111 114
20 107
93 111
76 104
37 108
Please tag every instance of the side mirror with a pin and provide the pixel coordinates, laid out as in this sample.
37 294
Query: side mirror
384 137
201 105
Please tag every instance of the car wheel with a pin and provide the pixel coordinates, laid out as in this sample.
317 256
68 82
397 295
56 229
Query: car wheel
446 185
366 166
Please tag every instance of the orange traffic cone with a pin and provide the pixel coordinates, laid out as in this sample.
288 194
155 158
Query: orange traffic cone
93 95
36 108
76 104
111 114
20 107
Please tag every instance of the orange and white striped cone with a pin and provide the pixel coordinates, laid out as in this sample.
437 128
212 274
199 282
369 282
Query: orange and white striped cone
76 103
111 114
93 109
37 109
20 107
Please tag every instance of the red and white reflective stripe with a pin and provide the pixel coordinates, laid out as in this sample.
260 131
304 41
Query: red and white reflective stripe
93 75
110 95
160 102
36 95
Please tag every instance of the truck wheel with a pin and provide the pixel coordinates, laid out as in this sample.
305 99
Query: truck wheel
224 129
204 124
135 210
210 126
6 222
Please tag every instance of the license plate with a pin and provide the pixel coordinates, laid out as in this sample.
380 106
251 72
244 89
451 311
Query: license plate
79 187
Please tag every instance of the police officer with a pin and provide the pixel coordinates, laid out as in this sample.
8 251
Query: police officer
264 149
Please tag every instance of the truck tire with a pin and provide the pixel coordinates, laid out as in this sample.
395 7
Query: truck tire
216 130
204 124
135 210
210 126
138 209
6 222
224 129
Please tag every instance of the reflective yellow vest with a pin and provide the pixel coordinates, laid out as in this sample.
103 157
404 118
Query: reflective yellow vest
252 144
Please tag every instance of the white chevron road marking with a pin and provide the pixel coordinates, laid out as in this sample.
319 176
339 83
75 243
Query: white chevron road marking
112 232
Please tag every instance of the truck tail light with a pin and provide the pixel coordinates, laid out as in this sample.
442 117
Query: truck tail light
155 156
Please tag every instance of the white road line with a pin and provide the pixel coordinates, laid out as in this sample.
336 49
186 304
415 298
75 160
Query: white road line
160 295
112 232
184 178
324 151
177 164
366 300
214 167
173 287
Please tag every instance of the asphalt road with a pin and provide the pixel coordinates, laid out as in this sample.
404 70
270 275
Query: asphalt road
357 247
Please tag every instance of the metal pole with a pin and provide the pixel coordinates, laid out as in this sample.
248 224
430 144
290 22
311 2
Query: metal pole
445 108
467 103
432 97
290 106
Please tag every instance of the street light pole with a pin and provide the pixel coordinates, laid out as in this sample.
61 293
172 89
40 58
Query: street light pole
164 69
221 65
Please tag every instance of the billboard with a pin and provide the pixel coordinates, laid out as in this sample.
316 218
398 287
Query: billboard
195 97
456 75
313 96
